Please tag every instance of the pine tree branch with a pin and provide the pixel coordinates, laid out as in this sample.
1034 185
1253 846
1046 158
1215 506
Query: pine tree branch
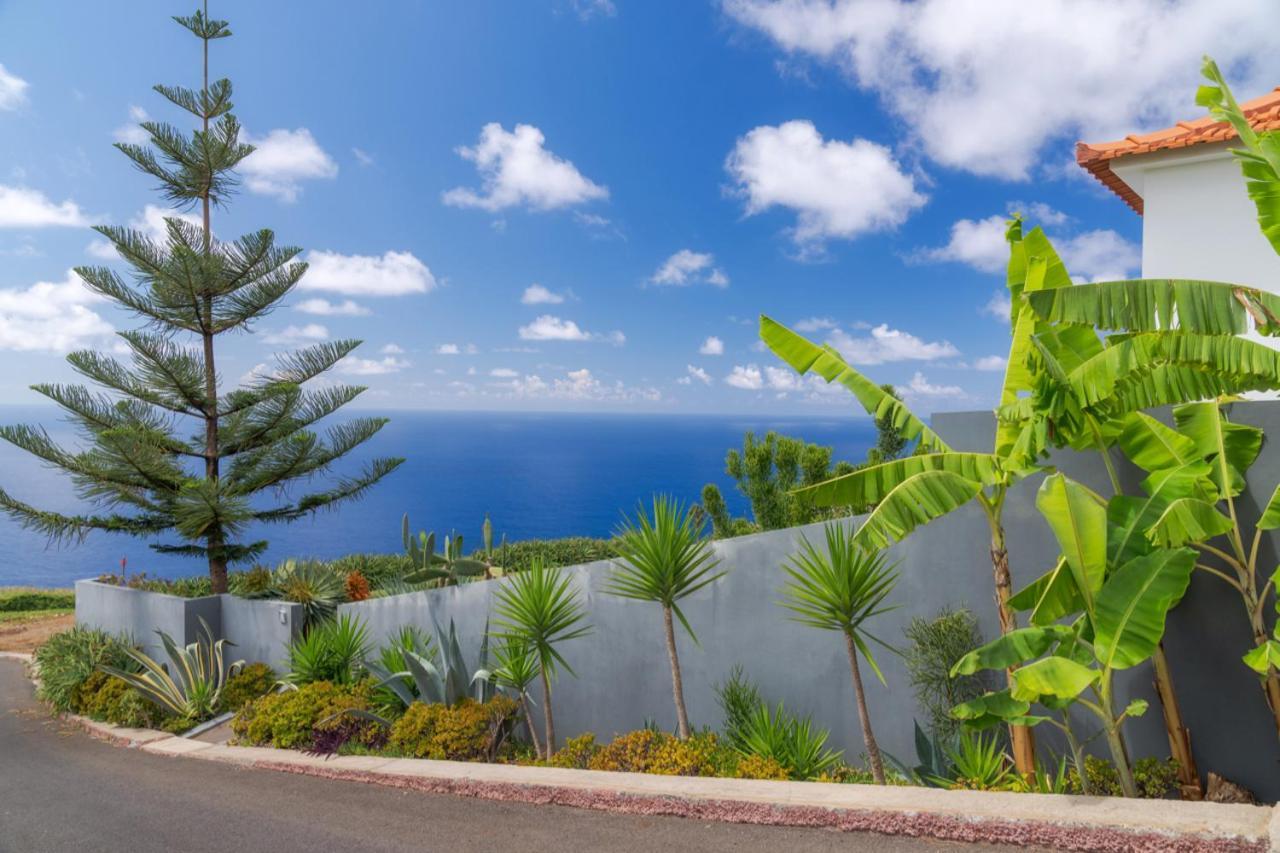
74 528
165 366
110 373
274 420
349 488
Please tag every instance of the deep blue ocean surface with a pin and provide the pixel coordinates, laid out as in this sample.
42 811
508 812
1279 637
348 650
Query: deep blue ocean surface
537 475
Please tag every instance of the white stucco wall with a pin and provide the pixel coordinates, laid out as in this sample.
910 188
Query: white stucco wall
1198 221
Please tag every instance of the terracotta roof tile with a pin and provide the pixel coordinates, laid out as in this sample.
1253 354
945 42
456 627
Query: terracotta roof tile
1263 114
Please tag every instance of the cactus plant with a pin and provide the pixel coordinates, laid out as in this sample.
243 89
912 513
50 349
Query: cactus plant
450 567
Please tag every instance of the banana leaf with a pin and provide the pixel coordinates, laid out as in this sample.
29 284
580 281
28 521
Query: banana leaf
1129 616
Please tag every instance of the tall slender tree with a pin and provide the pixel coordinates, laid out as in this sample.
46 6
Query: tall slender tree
144 467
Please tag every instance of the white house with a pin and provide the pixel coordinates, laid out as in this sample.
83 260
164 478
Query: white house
1197 221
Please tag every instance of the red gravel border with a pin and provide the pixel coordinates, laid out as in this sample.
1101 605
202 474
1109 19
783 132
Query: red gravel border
913 824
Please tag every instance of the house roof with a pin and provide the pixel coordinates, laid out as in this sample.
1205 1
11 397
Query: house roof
1263 113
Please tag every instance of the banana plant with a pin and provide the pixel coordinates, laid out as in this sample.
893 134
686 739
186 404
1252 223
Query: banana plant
450 567
1196 472
1121 620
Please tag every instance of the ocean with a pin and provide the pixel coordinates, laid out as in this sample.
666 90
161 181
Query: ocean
538 475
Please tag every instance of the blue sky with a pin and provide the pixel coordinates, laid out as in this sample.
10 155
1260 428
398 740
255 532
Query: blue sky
552 204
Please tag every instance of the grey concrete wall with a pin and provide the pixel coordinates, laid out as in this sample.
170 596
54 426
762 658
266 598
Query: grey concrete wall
260 630
139 614
622 677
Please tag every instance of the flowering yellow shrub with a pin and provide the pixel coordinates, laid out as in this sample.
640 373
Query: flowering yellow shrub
577 752
647 751
468 731
759 767
290 718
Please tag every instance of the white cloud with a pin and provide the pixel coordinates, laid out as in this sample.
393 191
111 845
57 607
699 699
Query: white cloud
998 306
747 378
588 9
516 170
392 349
580 384
132 132
921 387
448 349
548 328
26 208
978 243
884 344
815 324
536 294
991 362
392 274
1091 69
297 334
1099 255
13 90
503 373
51 316
282 160
692 373
712 346
364 158
838 190
353 366
687 267
325 308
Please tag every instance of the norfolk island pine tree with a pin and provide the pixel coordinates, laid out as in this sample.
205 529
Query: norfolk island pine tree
139 469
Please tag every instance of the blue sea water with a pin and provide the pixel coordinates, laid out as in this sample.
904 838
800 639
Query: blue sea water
537 475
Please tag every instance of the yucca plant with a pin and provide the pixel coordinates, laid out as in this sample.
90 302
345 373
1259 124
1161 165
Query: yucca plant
541 608
977 762
842 590
515 669
793 742
329 651
663 558
312 584
192 691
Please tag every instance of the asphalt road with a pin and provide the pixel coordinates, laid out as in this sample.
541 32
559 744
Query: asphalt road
60 790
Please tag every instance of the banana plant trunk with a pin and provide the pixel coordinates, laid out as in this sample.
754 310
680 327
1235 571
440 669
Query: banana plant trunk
677 683
1021 738
868 737
1179 735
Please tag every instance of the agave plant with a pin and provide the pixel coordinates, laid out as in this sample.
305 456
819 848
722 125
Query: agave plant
312 584
329 651
200 675
440 678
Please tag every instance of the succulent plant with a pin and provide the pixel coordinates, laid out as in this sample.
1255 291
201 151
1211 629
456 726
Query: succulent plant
311 583
441 677
450 567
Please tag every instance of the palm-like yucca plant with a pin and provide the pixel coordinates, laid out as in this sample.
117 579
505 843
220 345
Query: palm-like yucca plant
663 559
541 608
515 668
330 651
194 687
793 742
841 590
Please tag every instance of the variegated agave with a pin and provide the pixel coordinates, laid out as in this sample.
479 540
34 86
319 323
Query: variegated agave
194 686
443 677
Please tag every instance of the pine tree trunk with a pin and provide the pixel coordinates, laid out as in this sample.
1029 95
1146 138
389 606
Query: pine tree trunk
1179 736
1020 737
677 683
550 745
215 542
864 718
533 728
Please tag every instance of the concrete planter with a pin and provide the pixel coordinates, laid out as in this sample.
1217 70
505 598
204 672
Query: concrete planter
257 630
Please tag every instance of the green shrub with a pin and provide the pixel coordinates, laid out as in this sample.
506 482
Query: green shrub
109 699
1156 778
793 742
739 697
554 553
290 718
467 731
254 583
329 651
934 646
378 569
67 659
24 599
577 752
253 681
196 586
